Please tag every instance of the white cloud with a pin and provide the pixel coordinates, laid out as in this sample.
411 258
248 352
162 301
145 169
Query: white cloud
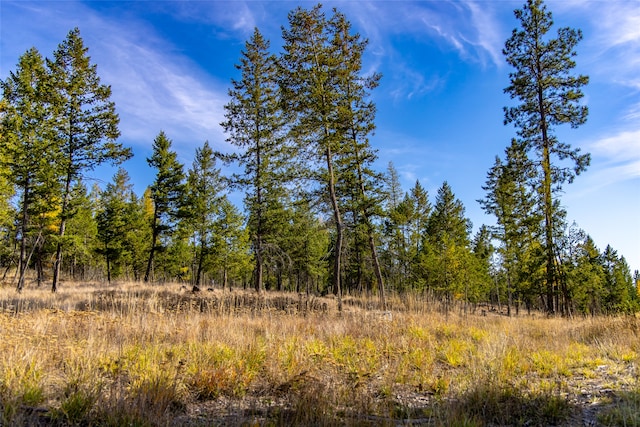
236 16
467 29
489 36
155 90
154 86
616 159
625 146
611 40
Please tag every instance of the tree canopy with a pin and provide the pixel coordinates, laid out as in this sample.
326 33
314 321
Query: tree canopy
318 216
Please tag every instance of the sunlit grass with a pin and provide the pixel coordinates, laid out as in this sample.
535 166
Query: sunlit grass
133 354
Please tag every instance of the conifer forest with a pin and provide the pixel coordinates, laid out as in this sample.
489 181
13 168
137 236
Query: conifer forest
316 216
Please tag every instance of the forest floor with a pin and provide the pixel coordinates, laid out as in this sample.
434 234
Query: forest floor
143 355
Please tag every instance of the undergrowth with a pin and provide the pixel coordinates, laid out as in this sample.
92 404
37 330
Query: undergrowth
154 356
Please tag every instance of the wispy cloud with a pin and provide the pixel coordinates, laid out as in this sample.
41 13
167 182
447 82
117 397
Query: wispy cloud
612 39
154 86
155 90
236 16
621 147
489 34
469 30
616 159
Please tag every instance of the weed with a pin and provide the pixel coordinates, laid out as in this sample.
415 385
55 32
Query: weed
144 355
624 412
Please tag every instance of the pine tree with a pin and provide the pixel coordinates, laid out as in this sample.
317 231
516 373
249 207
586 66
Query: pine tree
356 115
549 96
448 230
255 125
478 285
230 249
82 232
6 214
204 186
166 193
421 212
114 221
393 189
139 235
308 82
584 271
619 293
396 217
325 99
407 227
511 200
308 240
28 145
87 124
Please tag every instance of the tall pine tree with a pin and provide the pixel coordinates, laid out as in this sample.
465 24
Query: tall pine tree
549 96
28 145
166 193
204 186
87 125
255 125
310 95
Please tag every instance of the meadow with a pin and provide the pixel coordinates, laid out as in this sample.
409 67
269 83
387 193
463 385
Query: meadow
144 355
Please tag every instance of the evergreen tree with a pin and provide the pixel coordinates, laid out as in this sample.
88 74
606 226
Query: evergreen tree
478 284
407 227
138 235
230 250
393 189
255 125
113 220
204 185
619 293
397 230
585 275
448 231
82 232
87 125
419 222
308 243
308 82
549 96
6 219
356 115
326 101
166 193
28 145
511 200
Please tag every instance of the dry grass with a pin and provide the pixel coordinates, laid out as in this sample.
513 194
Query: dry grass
157 355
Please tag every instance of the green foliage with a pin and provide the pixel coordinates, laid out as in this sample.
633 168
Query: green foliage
319 217
447 264
202 206
255 124
86 124
230 255
511 200
82 233
166 193
115 217
549 95
29 144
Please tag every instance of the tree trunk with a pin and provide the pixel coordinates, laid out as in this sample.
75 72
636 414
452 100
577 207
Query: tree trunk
339 228
63 225
154 240
22 263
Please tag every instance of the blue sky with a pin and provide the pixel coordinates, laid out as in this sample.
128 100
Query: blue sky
439 102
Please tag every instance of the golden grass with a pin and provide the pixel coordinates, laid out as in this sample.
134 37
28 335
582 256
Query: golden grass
134 354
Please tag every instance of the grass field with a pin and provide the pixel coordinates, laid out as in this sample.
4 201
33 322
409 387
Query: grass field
143 355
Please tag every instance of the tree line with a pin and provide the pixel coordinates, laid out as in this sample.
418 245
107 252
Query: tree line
317 216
